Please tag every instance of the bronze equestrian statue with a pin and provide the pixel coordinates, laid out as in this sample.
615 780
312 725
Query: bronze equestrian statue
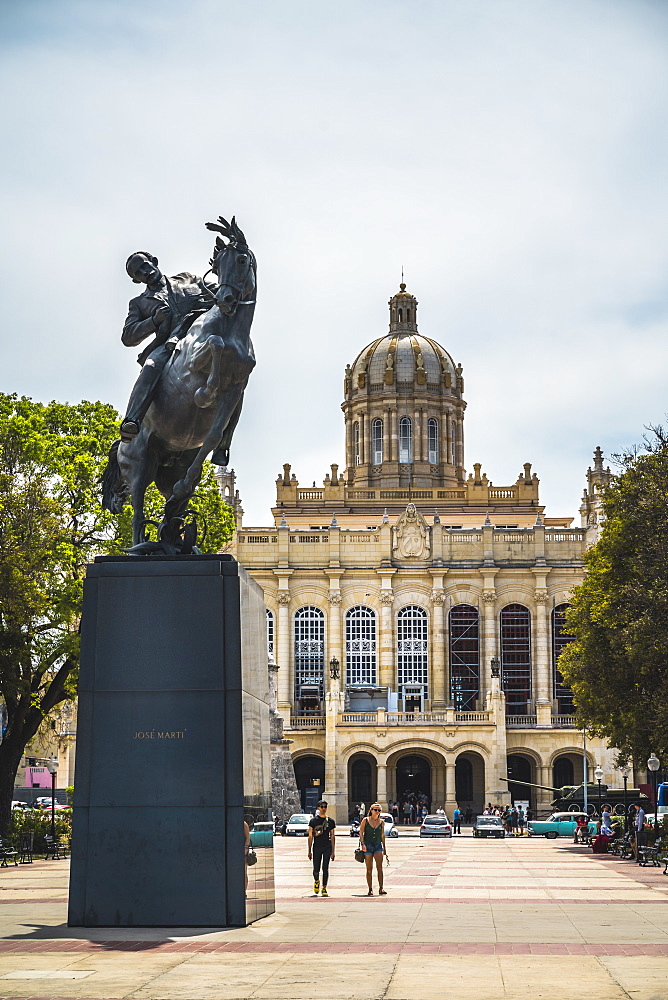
187 400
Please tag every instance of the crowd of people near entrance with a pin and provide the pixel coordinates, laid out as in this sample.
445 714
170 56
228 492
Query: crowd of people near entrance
514 818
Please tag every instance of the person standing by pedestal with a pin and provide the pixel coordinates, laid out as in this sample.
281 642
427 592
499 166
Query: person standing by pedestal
321 846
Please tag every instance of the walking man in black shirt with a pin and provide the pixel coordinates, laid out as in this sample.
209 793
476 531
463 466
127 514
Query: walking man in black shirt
321 846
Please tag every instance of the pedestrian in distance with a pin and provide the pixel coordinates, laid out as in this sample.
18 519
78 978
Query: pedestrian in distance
457 820
321 846
372 842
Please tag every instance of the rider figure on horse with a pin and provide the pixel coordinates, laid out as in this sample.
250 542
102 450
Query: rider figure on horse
166 310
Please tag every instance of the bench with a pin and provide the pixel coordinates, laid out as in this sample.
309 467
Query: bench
26 840
7 854
650 855
55 850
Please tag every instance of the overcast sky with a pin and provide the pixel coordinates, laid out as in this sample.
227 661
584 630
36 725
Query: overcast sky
510 154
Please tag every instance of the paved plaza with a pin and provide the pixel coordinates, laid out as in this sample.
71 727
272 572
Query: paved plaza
463 919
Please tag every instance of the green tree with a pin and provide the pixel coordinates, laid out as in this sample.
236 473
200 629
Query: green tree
51 525
617 663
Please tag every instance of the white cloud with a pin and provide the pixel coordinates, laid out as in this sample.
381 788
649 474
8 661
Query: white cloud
511 155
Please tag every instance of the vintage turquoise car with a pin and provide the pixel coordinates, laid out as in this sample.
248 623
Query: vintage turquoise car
559 824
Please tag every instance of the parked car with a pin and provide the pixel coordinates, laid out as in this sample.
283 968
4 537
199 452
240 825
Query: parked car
262 834
488 826
388 820
436 826
19 805
297 825
559 824
390 828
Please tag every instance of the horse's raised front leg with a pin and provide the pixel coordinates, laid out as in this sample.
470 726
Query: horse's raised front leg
226 406
206 394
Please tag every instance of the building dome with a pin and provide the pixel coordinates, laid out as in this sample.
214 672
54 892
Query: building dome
404 408
402 356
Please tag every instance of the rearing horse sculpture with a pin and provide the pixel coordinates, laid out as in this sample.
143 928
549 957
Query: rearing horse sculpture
198 400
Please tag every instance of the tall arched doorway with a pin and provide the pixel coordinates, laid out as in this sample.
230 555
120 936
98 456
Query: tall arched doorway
310 778
361 781
414 776
470 781
519 769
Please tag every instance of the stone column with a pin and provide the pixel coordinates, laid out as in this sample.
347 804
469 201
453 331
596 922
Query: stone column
489 645
395 436
387 437
387 674
350 461
381 785
542 673
334 632
417 436
363 439
450 795
283 647
334 795
438 685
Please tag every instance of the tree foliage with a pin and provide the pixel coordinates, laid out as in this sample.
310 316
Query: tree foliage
51 525
617 663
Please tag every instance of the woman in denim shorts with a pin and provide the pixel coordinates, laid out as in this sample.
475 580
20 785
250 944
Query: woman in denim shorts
372 842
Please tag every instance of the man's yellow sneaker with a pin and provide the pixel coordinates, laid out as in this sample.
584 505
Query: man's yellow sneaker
324 891
316 887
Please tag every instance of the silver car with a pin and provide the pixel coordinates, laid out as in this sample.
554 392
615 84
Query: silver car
436 826
488 826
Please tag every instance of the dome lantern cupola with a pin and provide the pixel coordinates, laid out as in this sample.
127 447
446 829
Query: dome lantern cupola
404 409
403 312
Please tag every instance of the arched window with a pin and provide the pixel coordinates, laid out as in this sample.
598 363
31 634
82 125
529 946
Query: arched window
412 638
309 654
405 440
563 772
270 632
432 434
360 646
464 657
377 441
560 639
356 443
516 658
400 316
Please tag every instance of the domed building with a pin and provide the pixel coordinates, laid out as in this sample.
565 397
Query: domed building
404 408
416 611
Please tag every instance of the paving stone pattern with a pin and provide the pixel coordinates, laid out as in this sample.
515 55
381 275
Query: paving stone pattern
463 919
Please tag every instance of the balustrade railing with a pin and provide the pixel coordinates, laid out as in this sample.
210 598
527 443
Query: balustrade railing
307 722
520 721
565 721
358 718
471 716
415 718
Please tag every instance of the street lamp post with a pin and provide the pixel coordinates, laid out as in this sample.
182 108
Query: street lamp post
626 770
653 764
598 774
53 769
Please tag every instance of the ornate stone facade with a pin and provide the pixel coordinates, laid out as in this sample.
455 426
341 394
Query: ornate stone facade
424 584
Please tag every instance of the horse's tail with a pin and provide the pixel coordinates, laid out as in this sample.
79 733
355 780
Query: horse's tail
115 490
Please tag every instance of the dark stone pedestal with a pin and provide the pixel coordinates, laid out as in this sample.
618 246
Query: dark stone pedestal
172 746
